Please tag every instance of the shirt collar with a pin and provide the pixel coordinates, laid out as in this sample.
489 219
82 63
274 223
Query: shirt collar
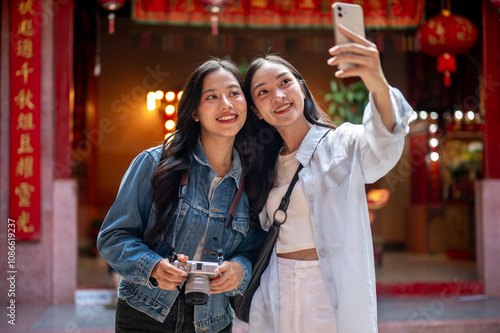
235 170
310 142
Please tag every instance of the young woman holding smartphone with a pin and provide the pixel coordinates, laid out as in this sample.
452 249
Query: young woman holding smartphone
321 276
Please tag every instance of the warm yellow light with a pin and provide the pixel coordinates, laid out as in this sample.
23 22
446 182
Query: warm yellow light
434 156
470 115
433 128
170 109
433 142
159 94
459 115
170 125
413 117
170 96
423 115
179 95
151 100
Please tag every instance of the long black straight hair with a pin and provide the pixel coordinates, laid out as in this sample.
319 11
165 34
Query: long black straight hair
262 171
175 158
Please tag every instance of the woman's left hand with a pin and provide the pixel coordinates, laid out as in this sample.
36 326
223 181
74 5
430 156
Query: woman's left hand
365 55
231 273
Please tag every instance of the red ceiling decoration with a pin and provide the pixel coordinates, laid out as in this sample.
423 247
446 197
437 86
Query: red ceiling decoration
379 14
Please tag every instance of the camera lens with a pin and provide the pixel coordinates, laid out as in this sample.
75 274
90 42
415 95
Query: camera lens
197 289
196 298
340 14
340 8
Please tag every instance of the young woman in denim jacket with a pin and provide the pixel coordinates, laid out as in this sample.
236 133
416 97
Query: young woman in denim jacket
321 276
145 222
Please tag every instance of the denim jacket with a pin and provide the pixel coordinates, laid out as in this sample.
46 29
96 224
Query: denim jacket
135 211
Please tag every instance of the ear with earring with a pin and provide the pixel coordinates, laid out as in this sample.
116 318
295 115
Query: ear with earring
257 113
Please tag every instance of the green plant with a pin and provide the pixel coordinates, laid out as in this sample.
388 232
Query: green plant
347 101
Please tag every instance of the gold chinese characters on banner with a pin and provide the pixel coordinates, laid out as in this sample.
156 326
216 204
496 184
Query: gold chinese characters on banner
25 112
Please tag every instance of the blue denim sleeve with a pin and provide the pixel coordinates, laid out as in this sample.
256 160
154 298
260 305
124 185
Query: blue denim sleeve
245 254
120 238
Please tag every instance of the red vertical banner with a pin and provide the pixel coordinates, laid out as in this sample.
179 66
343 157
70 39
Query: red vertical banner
25 117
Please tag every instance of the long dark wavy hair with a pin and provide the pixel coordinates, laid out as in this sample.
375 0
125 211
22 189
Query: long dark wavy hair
262 171
175 158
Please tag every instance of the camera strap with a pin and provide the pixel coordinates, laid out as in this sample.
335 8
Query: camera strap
285 201
230 216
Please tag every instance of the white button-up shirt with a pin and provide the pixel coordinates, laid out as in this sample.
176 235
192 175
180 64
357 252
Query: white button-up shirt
337 165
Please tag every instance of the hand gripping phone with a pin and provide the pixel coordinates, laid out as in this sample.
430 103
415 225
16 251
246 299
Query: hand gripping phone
350 16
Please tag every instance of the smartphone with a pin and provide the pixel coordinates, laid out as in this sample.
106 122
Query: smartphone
350 16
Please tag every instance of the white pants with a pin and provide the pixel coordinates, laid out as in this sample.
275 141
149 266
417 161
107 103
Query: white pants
304 298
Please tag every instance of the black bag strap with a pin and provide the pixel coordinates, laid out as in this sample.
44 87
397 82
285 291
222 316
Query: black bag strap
234 205
286 198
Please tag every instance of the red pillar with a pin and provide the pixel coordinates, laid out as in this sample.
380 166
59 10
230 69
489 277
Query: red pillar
64 87
487 190
491 90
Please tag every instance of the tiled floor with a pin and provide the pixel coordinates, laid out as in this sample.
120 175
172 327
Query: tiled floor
400 267
400 315
444 313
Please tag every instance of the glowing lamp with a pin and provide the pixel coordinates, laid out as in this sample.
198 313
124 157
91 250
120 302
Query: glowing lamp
170 125
151 101
377 198
170 109
159 94
170 96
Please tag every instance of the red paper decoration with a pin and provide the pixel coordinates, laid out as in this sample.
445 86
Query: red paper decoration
445 36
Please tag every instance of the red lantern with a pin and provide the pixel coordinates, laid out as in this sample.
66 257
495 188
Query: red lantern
495 3
445 36
111 6
215 7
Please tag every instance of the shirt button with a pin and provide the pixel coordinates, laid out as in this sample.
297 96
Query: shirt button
322 253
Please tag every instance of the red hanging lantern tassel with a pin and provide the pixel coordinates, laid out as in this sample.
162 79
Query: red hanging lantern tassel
215 7
111 6
111 20
447 64
215 26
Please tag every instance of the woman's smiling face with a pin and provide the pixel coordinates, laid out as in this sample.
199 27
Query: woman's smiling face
222 110
277 95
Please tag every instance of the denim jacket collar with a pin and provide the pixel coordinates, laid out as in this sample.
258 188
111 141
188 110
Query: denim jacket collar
310 142
235 170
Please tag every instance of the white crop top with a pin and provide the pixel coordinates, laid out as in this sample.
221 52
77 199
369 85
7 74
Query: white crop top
296 233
